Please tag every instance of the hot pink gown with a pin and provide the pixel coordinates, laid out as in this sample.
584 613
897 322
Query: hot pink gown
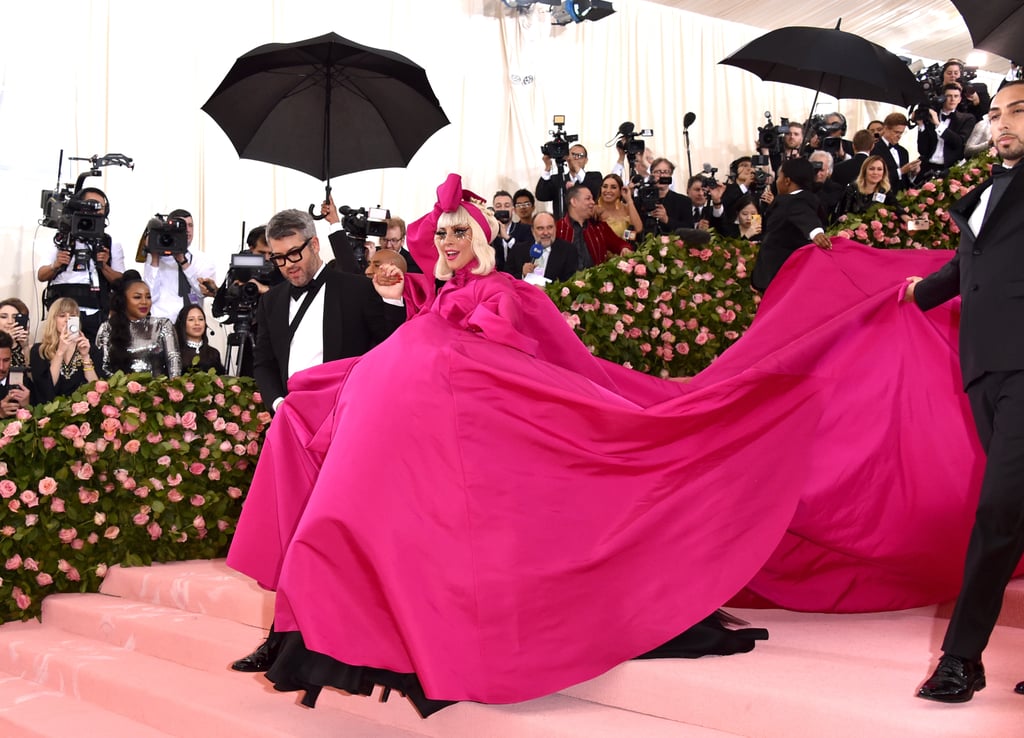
481 503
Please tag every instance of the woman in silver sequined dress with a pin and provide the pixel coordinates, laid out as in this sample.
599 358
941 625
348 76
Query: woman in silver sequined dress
132 340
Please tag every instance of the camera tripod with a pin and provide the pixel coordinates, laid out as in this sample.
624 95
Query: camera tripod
241 347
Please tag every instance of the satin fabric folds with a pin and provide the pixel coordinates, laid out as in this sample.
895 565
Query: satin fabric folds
481 502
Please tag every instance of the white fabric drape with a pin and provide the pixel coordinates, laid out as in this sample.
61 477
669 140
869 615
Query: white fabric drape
130 76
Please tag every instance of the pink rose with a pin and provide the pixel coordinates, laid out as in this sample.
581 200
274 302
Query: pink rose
199 522
30 498
67 535
225 446
234 493
31 564
72 574
164 461
188 421
57 505
154 530
43 579
85 472
133 446
210 415
231 429
219 424
175 496
142 492
49 442
101 570
8 489
102 385
214 474
154 438
170 421
8 531
196 468
134 387
175 395
112 532
22 600
14 505
13 563
204 452
79 408
31 520
110 426
110 411
140 518
174 480
93 538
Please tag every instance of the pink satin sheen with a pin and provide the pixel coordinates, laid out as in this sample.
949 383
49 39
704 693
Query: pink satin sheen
480 501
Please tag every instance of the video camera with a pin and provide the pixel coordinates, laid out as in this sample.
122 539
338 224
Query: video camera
707 177
628 143
54 202
771 136
646 194
930 79
240 294
166 236
558 147
359 223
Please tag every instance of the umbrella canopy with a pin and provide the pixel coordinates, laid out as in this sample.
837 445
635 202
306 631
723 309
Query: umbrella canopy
995 25
835 62
326 106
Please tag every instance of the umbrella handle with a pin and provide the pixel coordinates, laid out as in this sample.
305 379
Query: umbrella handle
327 197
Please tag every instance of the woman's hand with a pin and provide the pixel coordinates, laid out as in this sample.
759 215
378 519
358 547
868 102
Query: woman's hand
82 346
389 281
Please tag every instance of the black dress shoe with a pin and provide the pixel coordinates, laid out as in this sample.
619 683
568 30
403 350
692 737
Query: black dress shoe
955 680
1019 689
260 659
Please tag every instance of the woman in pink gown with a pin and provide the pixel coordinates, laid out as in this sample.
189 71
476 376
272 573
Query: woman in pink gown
541 515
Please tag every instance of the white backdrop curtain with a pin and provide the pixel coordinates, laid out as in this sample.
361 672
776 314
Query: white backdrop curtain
130 76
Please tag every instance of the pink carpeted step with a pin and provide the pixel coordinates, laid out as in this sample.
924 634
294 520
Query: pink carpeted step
188 638
28 710
841 676
207 587
166 696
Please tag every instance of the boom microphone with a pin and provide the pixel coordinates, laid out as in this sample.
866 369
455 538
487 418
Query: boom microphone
689 119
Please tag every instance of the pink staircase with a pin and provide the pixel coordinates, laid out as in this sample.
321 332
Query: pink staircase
148 657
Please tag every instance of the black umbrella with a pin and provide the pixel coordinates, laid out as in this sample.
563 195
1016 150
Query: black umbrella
995 25
835 62
326 106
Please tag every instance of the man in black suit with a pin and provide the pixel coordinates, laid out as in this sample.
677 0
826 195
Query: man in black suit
834 143
705 204
317 314
943 134
827 191
845 172
673 211
556 263
897 159
552 185
987 271
792 221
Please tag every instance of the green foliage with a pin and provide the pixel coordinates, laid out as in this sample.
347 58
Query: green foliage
126 471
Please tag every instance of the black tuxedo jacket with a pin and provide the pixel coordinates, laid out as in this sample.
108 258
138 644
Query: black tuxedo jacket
953 140
897 181
987 271
788 223
679 209
410 263
844 172
355 320
561 261
548 188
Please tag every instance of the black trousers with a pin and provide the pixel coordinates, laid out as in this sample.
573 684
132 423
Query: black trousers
997 538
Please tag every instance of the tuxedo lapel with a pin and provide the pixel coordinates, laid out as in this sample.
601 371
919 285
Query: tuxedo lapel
279 335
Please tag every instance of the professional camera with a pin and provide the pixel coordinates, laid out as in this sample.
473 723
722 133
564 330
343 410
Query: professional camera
359 223
240 294
758 184
75 220
629 144
558 147
646 194
166 236
930 79
707 177
56 202
771 136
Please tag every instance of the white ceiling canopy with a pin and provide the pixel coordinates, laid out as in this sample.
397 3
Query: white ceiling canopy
930 29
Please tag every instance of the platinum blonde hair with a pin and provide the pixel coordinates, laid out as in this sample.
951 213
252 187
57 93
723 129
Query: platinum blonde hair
482 249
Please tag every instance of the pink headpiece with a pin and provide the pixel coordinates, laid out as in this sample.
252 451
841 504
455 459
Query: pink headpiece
450 196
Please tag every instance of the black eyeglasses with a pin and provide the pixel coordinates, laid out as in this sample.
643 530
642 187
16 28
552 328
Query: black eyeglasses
577 155
524 204
292 256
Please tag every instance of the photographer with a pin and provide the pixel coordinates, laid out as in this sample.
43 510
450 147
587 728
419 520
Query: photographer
177 276
394 240
82 268
975 100
705 194
942 137
13 397
238 297
746 180
792 146
551 178
672 211
830 137
345 258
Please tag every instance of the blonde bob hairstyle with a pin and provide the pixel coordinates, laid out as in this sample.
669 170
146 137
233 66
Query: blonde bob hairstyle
51 336
483 250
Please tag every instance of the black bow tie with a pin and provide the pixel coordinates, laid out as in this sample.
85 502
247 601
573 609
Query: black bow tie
945 116
296 292
999 170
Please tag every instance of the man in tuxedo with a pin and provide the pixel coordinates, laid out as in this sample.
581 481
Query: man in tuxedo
509 233
987 271
557 261
792 221
896 158
317 314
942 135
591 239
827 191
551 181
705 205
12 399
845 172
